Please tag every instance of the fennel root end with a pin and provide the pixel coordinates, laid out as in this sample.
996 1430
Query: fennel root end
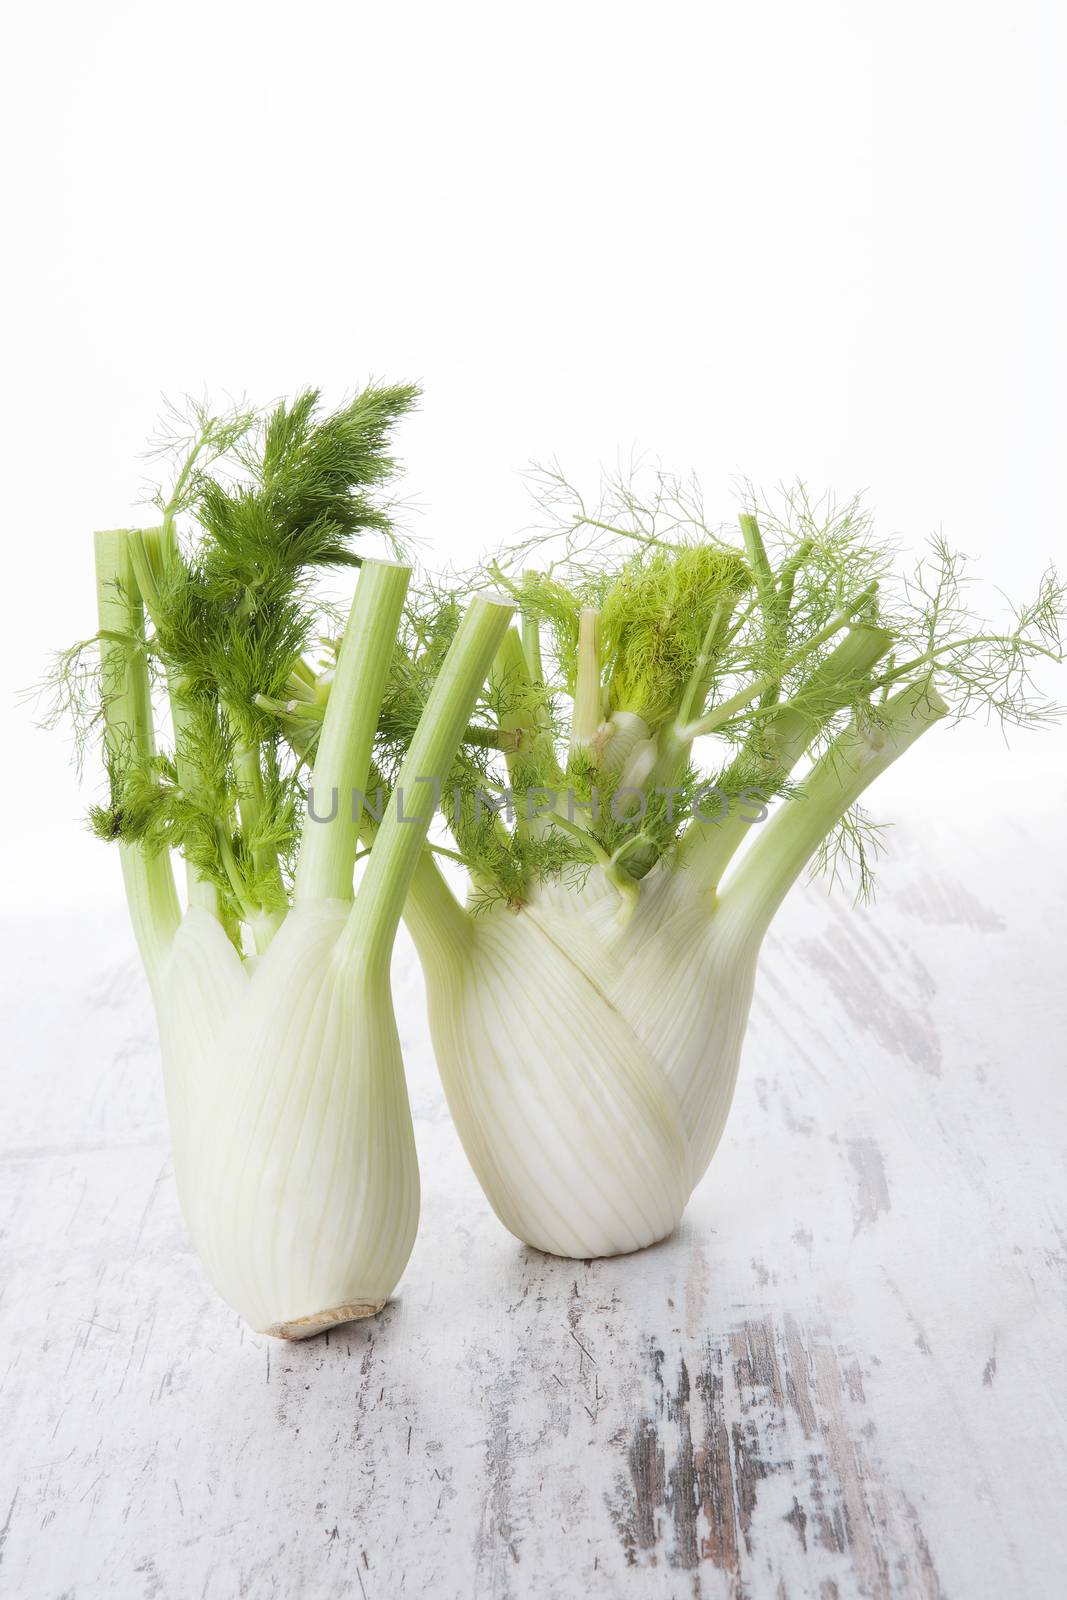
319 1321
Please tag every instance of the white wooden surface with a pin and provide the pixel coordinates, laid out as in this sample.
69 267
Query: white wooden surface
843 1377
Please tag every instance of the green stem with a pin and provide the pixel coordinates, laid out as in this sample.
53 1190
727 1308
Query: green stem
200 891
480 738
696 690
250 796
730 708
672 746
129 731
435 919
623 533
965 643
526 743
146 554
398 847
249 912
171 508
787 574
447 854
510 680
596 851
708 847
587 699
531 640
152 901
835 683
766 873
342 757
251 802
759 561
774 602
152 552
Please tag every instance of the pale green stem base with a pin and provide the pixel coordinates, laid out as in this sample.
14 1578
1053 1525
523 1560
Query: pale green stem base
586 717
152 901
129 733
264 922
438 924
760 882
708 847
342 760
371 928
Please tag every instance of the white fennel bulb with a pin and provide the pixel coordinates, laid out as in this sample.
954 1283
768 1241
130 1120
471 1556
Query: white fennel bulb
568 1119
589 1059
294 1154
293 1145
589 1005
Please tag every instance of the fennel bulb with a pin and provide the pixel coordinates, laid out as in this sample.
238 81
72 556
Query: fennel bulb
589 1059
588 1007
293 1147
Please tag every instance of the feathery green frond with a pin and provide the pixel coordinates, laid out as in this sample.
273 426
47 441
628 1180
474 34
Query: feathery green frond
774 639
257 505
849 853
656 619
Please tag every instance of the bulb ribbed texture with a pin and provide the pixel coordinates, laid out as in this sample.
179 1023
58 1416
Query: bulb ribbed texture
300 1187
589 1067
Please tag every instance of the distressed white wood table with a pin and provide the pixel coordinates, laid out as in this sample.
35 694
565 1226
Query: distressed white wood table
843 1377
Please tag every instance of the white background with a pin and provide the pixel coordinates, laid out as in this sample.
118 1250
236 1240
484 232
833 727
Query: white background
764 240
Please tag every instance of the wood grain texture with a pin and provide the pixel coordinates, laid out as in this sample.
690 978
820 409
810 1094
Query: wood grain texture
842 1377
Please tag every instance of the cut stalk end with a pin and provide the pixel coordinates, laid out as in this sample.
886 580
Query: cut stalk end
307 1327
